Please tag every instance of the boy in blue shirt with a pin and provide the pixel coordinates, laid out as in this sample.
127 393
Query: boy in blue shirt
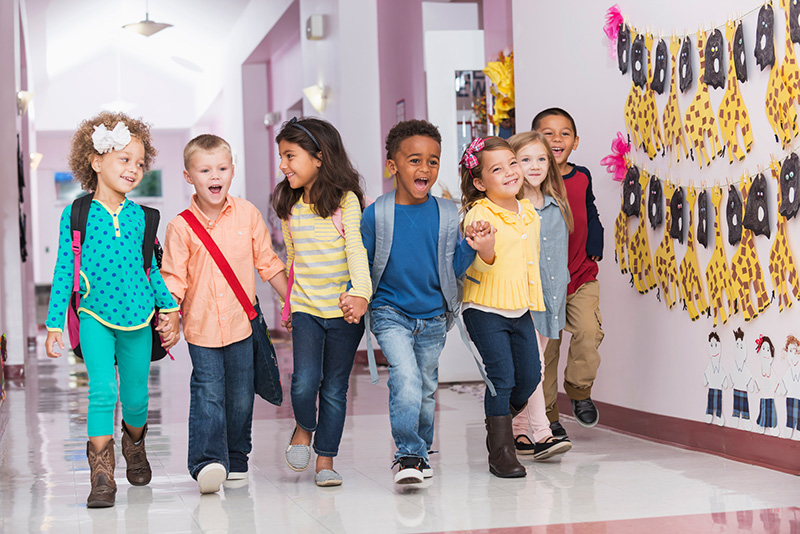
413 289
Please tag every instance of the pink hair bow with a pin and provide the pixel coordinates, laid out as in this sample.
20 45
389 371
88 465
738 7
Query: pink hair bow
613 21
615 162
469 159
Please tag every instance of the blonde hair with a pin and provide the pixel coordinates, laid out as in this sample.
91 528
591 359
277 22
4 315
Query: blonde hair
206 143
82 149
553 184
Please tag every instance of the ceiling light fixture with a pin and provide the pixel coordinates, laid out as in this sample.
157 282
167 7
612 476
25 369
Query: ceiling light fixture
147 27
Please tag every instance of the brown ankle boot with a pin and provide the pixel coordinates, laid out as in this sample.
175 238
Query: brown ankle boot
102 465
138 468
503 461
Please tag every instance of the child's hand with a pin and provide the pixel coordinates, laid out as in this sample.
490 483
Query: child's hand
287 324
353 308
346 307
477 228
483 243
595 258
168 329
49 344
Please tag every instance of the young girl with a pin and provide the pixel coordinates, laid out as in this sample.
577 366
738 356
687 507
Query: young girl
500 291
768 384
319 181
109 155
545 189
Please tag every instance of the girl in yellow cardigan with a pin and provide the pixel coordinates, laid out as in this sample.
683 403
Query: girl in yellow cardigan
500 294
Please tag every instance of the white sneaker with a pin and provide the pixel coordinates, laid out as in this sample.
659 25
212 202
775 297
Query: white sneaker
234 475
210 477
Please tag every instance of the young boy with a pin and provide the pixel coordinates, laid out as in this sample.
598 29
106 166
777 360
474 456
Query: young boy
583 292
215 324
410 295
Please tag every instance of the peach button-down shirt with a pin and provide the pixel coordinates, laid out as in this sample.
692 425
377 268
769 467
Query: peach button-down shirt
212 315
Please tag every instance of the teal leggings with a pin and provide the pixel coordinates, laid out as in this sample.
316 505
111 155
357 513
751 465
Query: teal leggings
100 344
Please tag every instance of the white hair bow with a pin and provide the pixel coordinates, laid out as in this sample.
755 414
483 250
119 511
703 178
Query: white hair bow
117 139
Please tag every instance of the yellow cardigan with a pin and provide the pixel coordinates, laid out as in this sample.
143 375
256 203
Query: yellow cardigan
512 282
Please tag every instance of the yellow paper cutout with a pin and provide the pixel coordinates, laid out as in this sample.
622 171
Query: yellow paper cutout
732 109
647 114
621 239
639 248
673 127
664 258
699 121
691 285
718 275
781 261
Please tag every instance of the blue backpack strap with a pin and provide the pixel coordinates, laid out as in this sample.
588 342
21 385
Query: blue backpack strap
384 232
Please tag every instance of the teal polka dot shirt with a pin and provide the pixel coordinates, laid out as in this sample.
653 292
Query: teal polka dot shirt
113 285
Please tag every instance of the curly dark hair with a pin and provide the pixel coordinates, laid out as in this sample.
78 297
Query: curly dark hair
405 129
469 193
82 150
336 175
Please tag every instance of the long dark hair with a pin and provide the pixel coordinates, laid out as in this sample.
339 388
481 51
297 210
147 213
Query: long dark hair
336 175
469 193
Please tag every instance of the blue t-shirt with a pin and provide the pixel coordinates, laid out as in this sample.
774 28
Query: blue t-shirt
410 282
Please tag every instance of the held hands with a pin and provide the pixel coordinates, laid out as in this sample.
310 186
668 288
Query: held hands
168 329
49 344
287 324
480 236
352 307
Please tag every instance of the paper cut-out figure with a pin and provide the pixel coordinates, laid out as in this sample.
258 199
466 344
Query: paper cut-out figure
621 238
781 261
638 61
699 122
685 65
734 213
714 75
756 213
660 67
676 211
718 275
715 379
783 92
767 383
702 218
790 186
639 248
623 46
739 53
732 111
691 283
741 379
794 21
790 386
655 201
674 139
746 270
647 114
631 192
765 37
664 262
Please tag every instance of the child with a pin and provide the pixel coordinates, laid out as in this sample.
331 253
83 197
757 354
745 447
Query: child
545 189
109 155
215 324
583 292
413 287
790 386
767 414
500 290
319 181
715 379
741 379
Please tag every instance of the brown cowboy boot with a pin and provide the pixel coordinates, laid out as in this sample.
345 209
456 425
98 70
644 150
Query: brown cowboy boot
102 465
503 461
138 468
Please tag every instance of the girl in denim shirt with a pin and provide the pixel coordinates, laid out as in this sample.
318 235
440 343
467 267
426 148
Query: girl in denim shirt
545 190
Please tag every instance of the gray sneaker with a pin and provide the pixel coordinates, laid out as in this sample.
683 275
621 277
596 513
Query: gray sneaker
298 456
328 477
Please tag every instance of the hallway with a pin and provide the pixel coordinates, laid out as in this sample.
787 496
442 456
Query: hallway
609 482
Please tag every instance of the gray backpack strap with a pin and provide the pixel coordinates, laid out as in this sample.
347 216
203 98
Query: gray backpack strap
384 232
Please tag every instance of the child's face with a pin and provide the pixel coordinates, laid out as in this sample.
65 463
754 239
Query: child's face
740 351
120 171
533 163
299 167
500 177
765 353
416 166
559 133
211 173
713 348
794 354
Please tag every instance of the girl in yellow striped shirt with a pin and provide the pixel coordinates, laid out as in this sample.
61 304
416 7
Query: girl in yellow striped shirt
319 204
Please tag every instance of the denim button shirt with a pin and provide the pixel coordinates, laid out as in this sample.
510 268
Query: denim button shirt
553 269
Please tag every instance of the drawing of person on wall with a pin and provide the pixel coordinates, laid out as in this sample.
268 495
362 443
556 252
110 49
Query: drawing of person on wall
741 380
768 384
790 386
715 379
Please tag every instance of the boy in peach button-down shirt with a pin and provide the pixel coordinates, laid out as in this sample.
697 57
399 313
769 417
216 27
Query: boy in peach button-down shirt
215 324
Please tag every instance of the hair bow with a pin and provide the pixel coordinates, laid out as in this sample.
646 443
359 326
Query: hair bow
105 141
469 159
759 342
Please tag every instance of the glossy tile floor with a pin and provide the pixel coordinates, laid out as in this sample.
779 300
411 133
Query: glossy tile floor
608 483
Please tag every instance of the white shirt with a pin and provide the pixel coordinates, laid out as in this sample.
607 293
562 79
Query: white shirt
715 376
741 378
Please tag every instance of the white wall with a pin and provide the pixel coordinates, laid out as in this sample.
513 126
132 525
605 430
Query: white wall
653 358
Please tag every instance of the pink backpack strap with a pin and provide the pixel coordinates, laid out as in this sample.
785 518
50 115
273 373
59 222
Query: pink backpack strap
287 305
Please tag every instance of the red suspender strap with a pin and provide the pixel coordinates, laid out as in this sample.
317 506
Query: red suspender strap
221 262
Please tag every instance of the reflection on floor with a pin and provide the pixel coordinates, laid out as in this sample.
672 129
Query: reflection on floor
608 483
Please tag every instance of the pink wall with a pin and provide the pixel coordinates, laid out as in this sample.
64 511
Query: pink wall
497 27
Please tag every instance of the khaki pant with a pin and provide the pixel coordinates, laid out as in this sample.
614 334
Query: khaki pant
584 322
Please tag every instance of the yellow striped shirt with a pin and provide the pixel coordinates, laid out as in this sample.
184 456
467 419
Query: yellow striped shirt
325 261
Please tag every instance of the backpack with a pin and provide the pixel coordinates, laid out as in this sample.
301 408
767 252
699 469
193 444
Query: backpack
150 245
452 287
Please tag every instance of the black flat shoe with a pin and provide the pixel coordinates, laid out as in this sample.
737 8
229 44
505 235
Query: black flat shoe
551 447
585 412
558 430
523 444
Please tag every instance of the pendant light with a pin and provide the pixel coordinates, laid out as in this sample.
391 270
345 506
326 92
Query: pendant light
147 27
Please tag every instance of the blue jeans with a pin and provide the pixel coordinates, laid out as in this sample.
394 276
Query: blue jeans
323 353
412 348
510 355
221 406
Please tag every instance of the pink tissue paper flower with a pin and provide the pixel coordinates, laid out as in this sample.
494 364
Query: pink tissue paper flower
615 162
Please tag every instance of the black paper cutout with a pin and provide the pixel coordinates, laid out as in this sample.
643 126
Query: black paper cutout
631 192
756 214
739 54
660 67
794 22
702 218
734 215
714 73
623 47
765 37
790 186
639 62
655 210
685 65
676 214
